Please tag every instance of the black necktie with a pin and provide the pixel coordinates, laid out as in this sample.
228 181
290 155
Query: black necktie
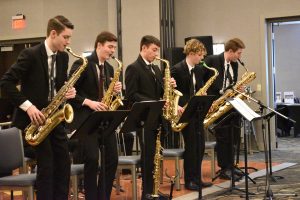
151 69
228 75
52 78
101 82
192 86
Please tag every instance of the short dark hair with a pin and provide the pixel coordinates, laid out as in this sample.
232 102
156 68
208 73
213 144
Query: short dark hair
105 36
234 44
149 39
58 23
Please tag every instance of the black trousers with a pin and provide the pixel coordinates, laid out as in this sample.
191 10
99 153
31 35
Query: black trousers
90 149
193 135
226 133
148 144
53 166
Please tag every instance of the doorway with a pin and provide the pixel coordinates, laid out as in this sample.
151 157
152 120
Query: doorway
9 51
283 69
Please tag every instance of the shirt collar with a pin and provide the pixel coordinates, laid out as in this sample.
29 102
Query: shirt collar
147 63
189 66
226 63
48 50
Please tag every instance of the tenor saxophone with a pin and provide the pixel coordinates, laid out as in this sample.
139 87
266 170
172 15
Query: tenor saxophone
110 99
220 106
171 96
34 134
177 127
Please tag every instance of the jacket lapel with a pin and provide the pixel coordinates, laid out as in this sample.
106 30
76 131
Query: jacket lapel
44 61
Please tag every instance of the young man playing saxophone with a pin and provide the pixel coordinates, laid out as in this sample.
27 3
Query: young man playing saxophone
35 69
227 66
144 82
188 76
91 87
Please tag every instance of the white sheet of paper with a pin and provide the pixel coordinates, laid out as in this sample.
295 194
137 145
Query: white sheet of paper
243 109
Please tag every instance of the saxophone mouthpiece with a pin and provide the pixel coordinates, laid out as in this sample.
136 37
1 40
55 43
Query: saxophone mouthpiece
68 49
113 57
242 63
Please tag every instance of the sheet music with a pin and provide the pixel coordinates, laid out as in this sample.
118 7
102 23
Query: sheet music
243 109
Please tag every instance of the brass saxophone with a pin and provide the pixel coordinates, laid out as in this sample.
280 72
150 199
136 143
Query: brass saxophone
109 95
158 157
221 106
34 134
171 96
202 91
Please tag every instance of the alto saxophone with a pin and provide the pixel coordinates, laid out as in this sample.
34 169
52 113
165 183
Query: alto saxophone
158 157
109 95
34 134
220 106
202 91
171 96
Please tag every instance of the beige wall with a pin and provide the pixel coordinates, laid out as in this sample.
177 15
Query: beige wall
89 19
139 18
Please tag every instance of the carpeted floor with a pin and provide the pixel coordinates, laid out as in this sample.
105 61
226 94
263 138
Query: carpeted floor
288 151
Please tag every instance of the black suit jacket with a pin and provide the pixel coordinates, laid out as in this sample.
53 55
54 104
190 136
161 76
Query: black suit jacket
217 62
141 85
87 86
180 72
31 71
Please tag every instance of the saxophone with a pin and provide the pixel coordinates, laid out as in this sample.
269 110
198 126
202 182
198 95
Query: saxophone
109 95
157 164
221 106
34 134
202 91
171 96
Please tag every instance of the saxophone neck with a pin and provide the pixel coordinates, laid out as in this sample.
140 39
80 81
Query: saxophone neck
210 68
120 64
165 61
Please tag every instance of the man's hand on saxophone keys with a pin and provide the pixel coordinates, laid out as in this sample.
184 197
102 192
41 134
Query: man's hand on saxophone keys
71 93
95 105
173 82
35 115
118 87
180 110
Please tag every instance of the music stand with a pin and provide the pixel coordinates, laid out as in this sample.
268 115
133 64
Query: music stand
197 107
104 123
269 193
143 115
247 114
233 166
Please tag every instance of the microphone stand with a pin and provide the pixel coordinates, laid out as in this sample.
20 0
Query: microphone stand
268 156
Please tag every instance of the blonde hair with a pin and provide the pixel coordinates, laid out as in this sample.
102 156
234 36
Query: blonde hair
194 46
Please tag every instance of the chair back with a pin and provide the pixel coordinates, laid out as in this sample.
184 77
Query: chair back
11 150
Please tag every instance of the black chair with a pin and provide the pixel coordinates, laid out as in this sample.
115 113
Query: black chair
12 157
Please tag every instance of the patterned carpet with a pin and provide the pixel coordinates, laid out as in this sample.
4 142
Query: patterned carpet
288 151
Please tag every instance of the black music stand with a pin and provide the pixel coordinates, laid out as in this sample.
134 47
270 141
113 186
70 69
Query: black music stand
197 107
269 194
247 114
104 123
143 115
233 166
